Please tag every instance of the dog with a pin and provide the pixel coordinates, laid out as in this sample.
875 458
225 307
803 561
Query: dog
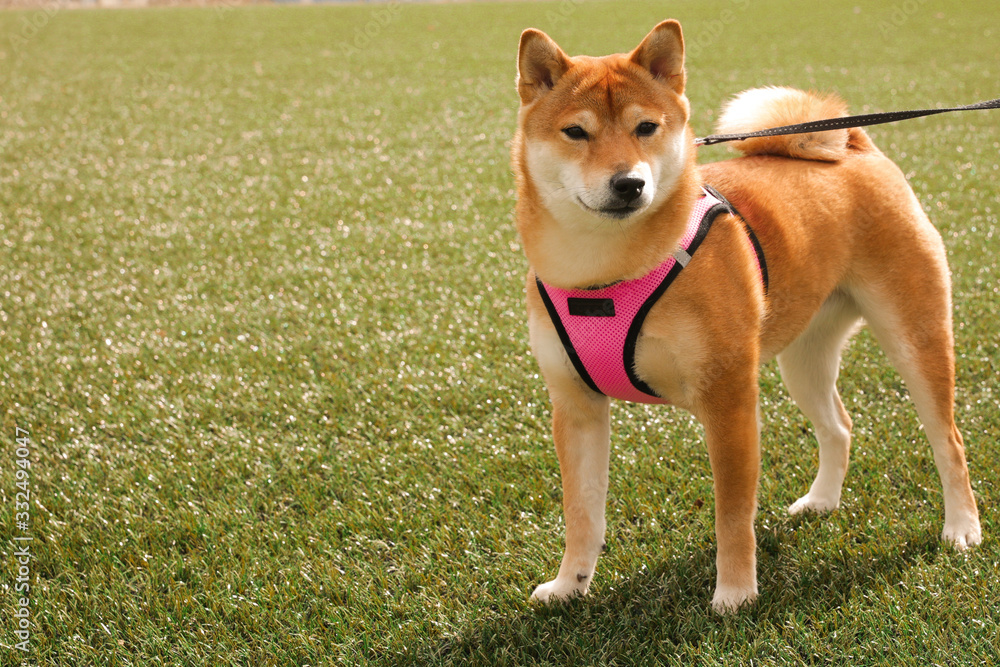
807 237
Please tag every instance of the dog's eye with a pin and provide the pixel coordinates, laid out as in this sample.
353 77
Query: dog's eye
575 132
646 129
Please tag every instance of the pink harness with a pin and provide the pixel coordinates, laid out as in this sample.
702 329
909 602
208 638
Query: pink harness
600 327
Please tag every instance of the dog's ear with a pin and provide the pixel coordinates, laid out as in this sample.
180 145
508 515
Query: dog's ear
540 64
662 53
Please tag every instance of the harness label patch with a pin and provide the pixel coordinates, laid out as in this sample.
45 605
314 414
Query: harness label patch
591 307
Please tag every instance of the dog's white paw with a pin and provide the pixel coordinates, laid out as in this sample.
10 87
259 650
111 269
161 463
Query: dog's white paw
728 600
559 590
811 503
963 533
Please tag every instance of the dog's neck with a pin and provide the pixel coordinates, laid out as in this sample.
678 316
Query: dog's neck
568 257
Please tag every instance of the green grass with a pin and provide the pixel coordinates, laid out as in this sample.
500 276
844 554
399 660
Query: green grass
261 311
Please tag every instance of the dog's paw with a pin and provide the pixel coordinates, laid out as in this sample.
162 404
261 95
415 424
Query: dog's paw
811 503
963 534
558 591
729 600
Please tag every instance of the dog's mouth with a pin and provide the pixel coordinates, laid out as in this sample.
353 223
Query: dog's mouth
613 212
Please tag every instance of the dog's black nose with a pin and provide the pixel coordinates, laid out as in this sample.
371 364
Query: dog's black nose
627 187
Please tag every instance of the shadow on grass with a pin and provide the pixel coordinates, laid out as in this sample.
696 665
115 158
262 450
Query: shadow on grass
657 612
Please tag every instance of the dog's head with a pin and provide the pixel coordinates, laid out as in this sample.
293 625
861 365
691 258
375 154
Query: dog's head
603 138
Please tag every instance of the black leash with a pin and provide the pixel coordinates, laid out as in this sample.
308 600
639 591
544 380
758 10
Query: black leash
862 120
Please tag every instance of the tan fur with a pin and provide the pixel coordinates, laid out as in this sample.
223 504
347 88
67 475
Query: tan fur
763 108
843 236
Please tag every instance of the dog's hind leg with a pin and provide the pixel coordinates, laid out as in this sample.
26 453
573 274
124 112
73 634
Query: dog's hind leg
809 368
906 300
918 341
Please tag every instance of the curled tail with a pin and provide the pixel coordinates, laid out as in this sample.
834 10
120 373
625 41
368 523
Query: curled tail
762 108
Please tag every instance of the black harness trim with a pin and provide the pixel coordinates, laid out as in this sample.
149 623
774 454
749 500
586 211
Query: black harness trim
564 336
633 333
757 247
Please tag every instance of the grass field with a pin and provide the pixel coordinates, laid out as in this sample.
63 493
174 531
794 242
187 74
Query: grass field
261 314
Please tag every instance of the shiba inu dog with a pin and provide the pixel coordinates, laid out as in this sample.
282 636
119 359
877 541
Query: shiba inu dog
828 235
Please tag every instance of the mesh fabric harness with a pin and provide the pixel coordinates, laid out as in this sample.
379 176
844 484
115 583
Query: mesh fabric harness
600 327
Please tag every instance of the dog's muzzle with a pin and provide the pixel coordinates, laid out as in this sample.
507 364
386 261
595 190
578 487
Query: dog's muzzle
627 187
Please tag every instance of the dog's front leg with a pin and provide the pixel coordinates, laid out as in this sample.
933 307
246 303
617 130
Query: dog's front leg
732 435
581 430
